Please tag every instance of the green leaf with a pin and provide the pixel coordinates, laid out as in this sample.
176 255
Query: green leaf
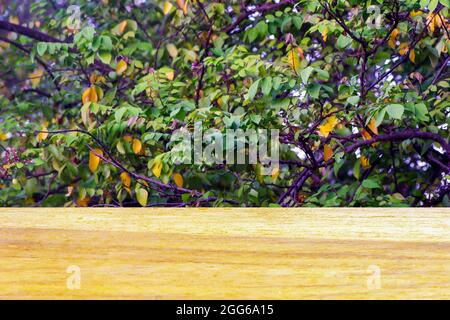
141 196
421 112
305 74
370 184
253 90
353 100
395 111
432 5
266 86
343 42
262 28
119 113
105 56
41 48
380 117
314 90
298 21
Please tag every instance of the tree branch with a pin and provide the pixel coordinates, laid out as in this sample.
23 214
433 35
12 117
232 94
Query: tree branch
31 33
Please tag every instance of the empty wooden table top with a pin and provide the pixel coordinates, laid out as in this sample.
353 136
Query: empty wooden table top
224 253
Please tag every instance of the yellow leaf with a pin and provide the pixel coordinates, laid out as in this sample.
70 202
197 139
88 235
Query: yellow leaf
332 120
415 13
121 27
167 7
437 20
121 67
325 129
403 49
327 152
157 167
3 136
433 21
35 77
173 51
42 135
393 38
126 180
95 78
275 173
293 60
137 146
324 34
328 126
94 160
412 56
14 19
141 196
364 162
178 178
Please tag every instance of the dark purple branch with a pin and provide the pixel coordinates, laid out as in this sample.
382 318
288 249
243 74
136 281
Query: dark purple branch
31 33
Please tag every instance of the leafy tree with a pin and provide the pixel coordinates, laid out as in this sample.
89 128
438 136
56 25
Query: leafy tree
92 91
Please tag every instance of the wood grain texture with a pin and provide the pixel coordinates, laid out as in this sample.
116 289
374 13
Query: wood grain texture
225 253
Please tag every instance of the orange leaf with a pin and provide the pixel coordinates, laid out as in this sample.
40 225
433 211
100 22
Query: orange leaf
137 146
324 34
178 178
365 135
393 38
364 162
373 126
300 52
275 173
90 94
403 49
182 5
412 56
83 202
327 152
122 26
170 75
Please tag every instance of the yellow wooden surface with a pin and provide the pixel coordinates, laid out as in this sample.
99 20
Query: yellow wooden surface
225 253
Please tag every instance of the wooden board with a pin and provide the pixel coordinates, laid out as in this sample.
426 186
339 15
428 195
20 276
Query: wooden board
225 253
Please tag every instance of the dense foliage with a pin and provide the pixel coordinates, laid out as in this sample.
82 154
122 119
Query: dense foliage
91 94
